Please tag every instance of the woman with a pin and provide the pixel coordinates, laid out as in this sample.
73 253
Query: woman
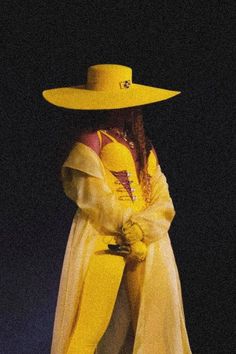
119 290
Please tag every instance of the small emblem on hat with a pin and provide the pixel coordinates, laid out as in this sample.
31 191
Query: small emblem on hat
125 84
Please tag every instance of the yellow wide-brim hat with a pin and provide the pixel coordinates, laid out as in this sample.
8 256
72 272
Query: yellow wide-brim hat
108 86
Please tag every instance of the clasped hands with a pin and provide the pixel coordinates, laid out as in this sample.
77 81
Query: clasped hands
131 243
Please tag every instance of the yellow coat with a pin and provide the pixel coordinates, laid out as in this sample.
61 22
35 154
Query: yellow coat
102 210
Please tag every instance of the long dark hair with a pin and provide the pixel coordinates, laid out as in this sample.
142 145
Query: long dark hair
144 147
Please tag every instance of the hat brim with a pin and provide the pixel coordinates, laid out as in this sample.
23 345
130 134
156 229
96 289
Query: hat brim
78 97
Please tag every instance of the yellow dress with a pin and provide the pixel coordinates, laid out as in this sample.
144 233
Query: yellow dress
103 206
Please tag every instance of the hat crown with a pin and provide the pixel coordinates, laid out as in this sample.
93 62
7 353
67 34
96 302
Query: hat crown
108 77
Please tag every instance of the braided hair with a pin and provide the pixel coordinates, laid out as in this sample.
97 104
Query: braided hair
144 147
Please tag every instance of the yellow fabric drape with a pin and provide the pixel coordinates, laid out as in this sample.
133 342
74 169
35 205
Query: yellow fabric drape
156 219
161 323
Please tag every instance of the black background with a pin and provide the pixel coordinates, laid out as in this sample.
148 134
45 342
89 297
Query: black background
179 45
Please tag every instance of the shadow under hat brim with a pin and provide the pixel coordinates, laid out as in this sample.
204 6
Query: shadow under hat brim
78 97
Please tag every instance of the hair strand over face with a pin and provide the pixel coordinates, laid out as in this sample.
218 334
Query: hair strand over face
144 146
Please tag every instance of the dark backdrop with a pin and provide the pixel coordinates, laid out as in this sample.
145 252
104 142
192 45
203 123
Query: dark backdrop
179 45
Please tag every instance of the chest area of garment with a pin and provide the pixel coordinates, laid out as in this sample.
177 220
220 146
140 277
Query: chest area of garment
122 173
117 157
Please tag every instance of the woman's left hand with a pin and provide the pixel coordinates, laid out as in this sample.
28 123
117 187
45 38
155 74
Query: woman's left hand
132 232
138 251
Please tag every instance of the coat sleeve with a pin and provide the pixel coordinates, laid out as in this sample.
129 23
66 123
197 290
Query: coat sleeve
156 219
83 179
